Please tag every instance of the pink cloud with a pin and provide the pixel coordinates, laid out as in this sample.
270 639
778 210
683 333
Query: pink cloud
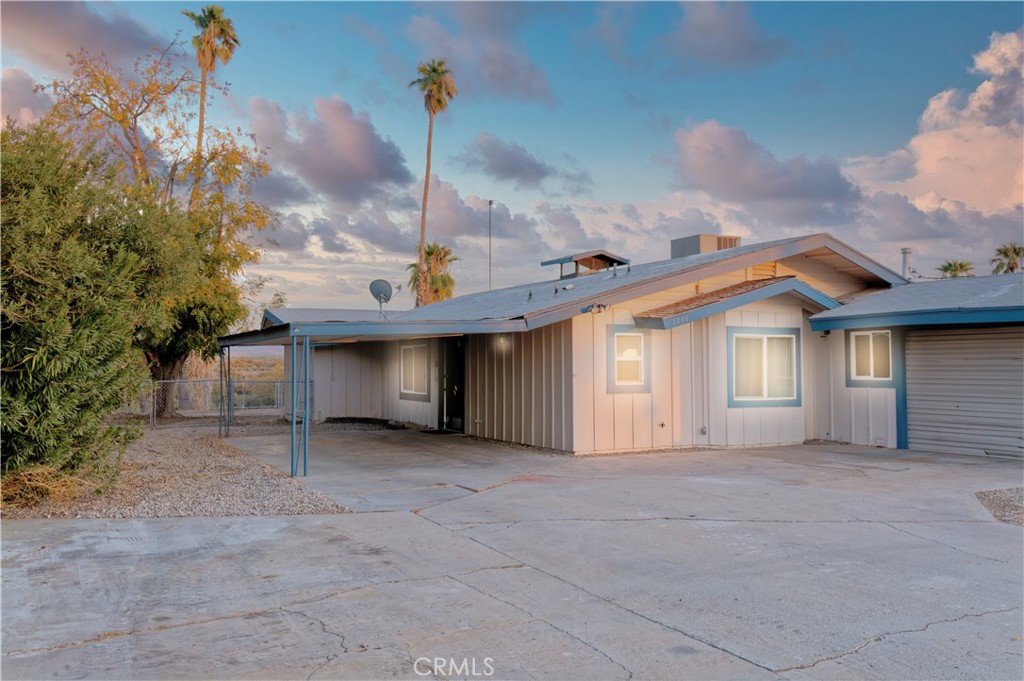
45 32
336 152
19 100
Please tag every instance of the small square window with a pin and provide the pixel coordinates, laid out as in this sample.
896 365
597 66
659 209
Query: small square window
629 369
871 355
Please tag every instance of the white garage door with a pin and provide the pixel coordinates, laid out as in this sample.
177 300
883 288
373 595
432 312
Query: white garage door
965 391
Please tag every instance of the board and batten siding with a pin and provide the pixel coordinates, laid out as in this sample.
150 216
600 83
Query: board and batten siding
687 404
965 391
860 415
519 387
347 381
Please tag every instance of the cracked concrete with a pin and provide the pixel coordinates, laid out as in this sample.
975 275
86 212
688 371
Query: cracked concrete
798 563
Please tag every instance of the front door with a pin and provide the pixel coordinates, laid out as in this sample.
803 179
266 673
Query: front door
453 373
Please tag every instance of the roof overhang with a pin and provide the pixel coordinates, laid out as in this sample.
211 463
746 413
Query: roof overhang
947 317
799 246
350 332
729 298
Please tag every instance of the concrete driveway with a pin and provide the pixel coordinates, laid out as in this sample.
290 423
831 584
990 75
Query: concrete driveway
473 560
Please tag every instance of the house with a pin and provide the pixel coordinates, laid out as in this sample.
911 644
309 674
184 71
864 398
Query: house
720 345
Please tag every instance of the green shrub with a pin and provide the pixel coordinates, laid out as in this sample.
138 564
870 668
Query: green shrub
84 263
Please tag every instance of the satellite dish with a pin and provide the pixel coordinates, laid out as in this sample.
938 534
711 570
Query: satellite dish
381 290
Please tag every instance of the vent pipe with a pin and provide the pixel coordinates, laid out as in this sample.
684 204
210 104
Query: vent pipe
906 261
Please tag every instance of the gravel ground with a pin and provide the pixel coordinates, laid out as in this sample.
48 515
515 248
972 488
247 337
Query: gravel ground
188 471
1006 505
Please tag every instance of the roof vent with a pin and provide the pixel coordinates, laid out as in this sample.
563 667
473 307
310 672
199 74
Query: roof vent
702 243
590 262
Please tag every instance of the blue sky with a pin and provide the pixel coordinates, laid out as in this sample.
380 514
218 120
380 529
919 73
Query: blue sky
595 125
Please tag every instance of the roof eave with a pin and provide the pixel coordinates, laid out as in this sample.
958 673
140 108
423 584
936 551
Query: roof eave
948 317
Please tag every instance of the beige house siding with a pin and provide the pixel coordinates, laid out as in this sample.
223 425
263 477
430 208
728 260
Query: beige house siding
863 416
519 387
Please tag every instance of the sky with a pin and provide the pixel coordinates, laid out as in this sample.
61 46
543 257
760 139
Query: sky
591 125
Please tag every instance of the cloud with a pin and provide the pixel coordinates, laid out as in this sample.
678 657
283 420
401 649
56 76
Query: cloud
614 22
726 164
511 162
19 100
44 32
722 34
337 152
280 189
484 51
969 145
290 235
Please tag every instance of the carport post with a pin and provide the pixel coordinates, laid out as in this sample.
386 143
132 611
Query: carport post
295 403
305 406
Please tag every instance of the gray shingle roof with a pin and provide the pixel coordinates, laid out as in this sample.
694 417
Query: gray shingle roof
1004 291
290 315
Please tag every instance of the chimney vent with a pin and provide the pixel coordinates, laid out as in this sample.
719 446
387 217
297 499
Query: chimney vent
702 243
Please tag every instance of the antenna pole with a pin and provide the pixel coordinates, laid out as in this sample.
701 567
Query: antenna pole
490 202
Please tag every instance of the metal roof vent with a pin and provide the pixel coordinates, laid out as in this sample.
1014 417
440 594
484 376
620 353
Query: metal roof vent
590 262
702 243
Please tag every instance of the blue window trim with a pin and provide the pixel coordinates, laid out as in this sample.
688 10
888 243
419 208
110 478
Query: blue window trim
613 388
895 355
413 397
733 331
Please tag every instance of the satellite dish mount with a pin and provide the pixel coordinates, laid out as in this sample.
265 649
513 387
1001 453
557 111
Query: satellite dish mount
381 291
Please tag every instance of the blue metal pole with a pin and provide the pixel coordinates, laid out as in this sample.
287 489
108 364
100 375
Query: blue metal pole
305 408
295 402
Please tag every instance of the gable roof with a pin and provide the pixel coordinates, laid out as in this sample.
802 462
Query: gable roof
721 300
962 300
530 306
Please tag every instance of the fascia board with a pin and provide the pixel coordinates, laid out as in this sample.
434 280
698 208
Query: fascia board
951 317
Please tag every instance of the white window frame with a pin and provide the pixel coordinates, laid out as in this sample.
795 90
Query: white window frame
871 356
425 369
763 397
637 360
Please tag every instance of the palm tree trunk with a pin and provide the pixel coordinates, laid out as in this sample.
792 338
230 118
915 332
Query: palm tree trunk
421 284
194 198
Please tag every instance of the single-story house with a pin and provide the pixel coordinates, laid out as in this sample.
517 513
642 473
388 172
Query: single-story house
720 345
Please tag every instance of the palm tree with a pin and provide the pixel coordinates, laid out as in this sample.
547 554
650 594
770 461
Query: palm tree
216 41
1009 259
952 269
438 88
440 283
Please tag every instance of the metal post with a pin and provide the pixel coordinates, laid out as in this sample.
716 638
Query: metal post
305 407
295 402
231 397
220 388
490 202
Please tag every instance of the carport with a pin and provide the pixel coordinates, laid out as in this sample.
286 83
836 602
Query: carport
299 338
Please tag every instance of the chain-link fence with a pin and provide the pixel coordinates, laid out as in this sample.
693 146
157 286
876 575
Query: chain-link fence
174 401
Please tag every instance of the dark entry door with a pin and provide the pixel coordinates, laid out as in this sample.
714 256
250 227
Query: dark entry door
453 375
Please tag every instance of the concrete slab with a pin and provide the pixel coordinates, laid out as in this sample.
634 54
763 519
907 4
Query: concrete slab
800 562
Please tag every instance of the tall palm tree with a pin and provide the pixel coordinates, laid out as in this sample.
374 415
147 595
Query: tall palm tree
1009 259
440 282
438 88
952 269
217 41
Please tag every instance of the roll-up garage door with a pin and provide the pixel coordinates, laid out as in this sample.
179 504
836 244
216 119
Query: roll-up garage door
965 391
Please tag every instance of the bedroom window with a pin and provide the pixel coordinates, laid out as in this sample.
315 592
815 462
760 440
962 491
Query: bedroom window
414 383
764 368
871 355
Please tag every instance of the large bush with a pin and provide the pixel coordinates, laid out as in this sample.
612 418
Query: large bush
84 264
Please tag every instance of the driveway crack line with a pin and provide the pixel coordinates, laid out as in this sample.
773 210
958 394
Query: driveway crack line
629 674
692 637
948 546
882 637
